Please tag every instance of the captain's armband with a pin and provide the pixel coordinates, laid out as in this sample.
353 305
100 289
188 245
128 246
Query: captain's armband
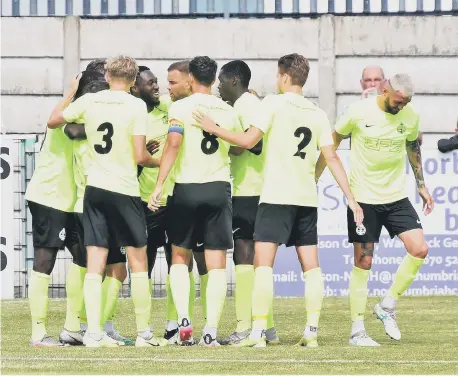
176 126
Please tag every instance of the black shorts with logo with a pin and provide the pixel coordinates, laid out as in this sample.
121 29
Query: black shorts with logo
116 255
113 219
286 224
244 217
156 224
49 226
397 217
201 209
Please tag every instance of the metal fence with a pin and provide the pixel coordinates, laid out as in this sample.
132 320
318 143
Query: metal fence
23 166
220 8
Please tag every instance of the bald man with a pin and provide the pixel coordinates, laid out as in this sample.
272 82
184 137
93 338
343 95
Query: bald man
372 81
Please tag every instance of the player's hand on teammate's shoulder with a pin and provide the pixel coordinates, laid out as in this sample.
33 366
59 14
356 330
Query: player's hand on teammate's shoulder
428 202
251 91
152 146
358 213
155 198
204 121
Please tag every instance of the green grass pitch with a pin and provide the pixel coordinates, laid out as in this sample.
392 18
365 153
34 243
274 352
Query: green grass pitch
429 344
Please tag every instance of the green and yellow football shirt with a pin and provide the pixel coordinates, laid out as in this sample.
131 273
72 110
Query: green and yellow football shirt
111 119
247 168
203 157
378 149
157 130
294 130
52 182
82 158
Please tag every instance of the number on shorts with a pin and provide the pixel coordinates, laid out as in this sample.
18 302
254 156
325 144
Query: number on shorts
209 144
108 127
306 134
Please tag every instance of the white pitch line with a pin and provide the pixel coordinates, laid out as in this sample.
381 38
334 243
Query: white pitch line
163 360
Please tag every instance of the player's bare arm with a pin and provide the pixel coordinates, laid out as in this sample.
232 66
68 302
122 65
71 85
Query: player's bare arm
56 120
256 150
142 156
414 155
169 156
321 163
337 169
75 131
246 140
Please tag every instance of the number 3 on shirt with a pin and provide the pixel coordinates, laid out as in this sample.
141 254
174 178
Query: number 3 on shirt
209 144
105 149
306 135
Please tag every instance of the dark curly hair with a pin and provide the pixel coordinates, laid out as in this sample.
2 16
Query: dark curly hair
203 69
88 80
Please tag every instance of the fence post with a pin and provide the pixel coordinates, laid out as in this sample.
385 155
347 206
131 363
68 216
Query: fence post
34 7
420 5
402 5
327 66
71 49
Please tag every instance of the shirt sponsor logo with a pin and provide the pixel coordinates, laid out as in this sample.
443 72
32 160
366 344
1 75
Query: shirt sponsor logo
394 146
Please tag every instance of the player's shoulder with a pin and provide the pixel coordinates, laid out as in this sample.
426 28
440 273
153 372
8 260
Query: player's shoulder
215 101
165 102
134 100
136 103
315 113
410 111
88 97
271 98
180 104
247 100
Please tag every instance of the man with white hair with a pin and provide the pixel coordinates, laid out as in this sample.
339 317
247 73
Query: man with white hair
384 129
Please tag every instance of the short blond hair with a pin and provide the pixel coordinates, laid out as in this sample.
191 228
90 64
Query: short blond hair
402 83
124 67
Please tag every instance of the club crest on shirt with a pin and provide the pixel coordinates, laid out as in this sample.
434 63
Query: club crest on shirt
402 128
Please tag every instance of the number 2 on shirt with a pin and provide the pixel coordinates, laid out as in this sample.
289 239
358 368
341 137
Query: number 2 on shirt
306 135
209 144
108 128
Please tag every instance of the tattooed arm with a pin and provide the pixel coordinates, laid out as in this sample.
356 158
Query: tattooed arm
414 154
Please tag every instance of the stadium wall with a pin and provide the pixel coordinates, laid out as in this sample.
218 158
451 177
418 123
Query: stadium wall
40 55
